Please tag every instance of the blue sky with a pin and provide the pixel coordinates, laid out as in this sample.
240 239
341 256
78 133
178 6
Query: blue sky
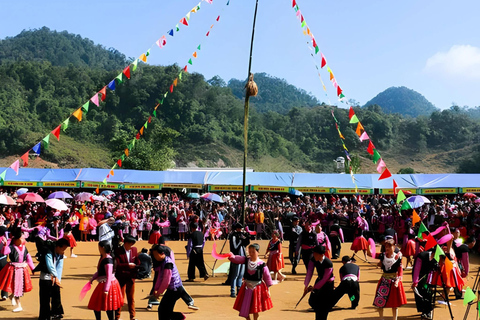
432 47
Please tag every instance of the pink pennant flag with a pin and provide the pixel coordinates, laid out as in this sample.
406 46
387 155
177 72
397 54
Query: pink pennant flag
364 136
162 41
94 99
380 166
299 14
15 166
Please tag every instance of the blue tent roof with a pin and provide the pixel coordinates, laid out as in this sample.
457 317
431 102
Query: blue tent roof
275 179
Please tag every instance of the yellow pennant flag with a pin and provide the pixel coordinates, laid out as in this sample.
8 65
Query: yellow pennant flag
415 218
308 31
143 57
304 32
341 136
78 114
175 82
359 129
126 152
331 76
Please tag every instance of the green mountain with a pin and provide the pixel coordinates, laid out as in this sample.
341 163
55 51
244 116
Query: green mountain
274 94
201 122
404 101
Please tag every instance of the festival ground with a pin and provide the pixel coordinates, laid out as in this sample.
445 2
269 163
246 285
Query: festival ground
213 298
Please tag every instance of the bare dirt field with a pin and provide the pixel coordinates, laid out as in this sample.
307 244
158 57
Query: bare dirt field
213 298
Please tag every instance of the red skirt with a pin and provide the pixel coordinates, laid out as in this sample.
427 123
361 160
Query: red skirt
409 248
261 300
99 301
71 240
15 280
154 236
395 298
359 244
275 261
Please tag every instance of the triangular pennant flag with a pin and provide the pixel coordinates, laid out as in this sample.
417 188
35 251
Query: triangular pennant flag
126 152
177 28
46 141
97 191
137 136
149 119
376 156
15 166
184 21
146 124
171 88
364 136
111 85
175 82
304 24
331 76
155 113
341 96
188 16
448 267
104 181
185 68
415 218
359 129
468 296
134 64
351 113
422 228
25 159
199 47
195 54
111 173
395 186
405 206
65 124
370 148
126 72
119 162
162 41
324 61
122 157
354 119
85 106
170 32
431 242
120 78
208 33
94 99
381 165
103 92
165 94
294 4
148 53
143 57
2 175
141 130
56 132
386 174
78 114
190 61
218 18
37 148
438 253
339 91
401 196
180 76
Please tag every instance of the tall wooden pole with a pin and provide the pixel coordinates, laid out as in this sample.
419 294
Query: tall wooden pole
245 121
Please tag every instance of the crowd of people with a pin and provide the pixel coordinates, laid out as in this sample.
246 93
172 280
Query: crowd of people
315 227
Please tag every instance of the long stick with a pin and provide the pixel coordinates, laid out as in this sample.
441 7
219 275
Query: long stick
245 120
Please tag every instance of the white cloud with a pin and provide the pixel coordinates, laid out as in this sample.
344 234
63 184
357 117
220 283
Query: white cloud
460 61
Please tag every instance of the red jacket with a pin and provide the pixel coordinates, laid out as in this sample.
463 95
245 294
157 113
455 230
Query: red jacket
123 272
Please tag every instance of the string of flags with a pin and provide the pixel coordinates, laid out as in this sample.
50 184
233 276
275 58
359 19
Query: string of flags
81 111
141 131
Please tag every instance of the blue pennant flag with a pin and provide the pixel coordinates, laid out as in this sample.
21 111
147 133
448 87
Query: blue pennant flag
111 85
37 148
170 32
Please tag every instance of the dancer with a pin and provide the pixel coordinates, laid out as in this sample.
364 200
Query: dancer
360 243
349 275
253 297
108 294
238 241
408 250
293 235
275 260
323 240
155 235
3 257
336 239
195 252
51 269
306 242
423 269
390 292
14 277
322 292
71 239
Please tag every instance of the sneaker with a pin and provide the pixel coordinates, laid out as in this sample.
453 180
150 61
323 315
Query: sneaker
149 307
294 272
64 257
17 309
193 307
189 280
14 302
73 256
233 295
206 277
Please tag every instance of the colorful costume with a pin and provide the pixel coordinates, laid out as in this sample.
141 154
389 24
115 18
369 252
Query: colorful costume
388 295
275 260
14 277
107 282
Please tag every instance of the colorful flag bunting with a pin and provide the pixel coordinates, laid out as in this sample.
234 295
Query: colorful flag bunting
354 119
104 181
184 21
146 124
218 18
415 218
208 33
65 124
339 91
155 113
171 88
386 174
2 175
126 72
37 148
324 61
431 242
376 156
15 166
25 159
381 165
141 131
438 253
370 148
149 119
120 78
56 132
143 57
103 92
364 136
119 162
94 99
294 4
137 136
111 171
78 114
85 106
351 113
395 186
175 82
401 196
126 152
170 32
468 296
188 16
162 41
359 129
199 47
135 64
422 228
190 62
46 141
195 54
111 85
185 68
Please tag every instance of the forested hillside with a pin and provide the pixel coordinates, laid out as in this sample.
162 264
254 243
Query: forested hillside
201 122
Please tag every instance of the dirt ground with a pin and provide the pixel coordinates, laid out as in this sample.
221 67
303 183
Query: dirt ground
213 298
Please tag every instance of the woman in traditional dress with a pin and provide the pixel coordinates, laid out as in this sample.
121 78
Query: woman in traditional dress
254 296
108 294
14 277
71 239
390 292
275 260
324 241
360 243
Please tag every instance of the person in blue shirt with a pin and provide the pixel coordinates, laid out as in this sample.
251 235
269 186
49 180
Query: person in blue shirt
51 268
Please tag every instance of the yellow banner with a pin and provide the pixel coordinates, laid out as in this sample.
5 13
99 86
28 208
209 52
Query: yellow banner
100 185
390 191
142 186
59 184
270 189
19 184
313 190
225 188
471 190
440 191
353 191
182 185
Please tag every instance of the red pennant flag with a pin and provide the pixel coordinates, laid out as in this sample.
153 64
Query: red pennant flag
119 162
386 174
208 33
339 91
294 3
351 113
218 18
150 119
25 159
97 190
56 132
138 136
185 69
103 92
314 43
126 72
324 61
431 242
301 19
370 148
395 186
171 88
184 21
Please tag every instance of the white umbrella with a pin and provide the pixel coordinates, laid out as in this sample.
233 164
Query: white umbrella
57 204
4 199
